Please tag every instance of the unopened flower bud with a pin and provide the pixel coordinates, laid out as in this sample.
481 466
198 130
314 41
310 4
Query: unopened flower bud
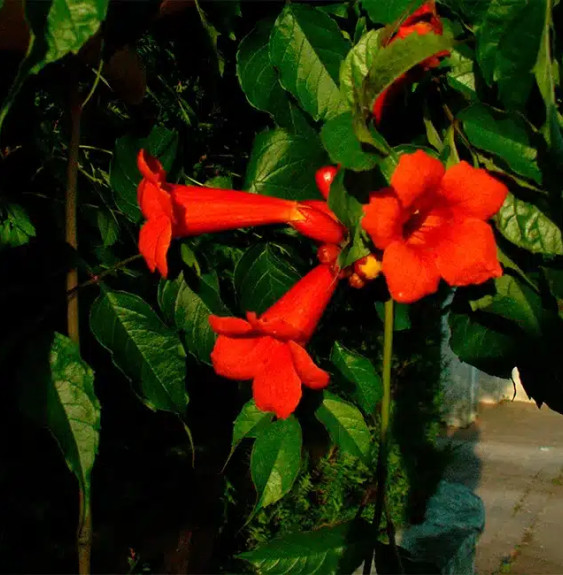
356 281
368 267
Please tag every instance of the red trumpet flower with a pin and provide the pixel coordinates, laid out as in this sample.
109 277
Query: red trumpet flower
174 210
431 224
423 21
270 349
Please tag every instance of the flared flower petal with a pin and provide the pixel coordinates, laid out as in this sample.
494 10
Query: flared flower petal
472 192
276 327
467 253
151 169
416 174
310 374
154 240
237 358
276 385
411 272
232 326
383 218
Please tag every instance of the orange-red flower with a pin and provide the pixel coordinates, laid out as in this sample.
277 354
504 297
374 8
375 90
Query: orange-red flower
173 210
423 21
431 224
270 349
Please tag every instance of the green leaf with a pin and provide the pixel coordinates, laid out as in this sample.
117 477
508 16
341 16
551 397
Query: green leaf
259 80
16 228
262 277
483 346
307 48
526 226
124 174
109 228
516 302
387 11
58 393
190 309
275 460
250 423
284 165
345 425
346 207
517 53
359 371
392 61
508 42
342 145
335 550
401 319
357 63
461 75
504 135
143 348
57 28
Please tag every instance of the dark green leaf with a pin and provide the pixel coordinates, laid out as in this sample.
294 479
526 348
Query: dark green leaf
392 61
57 28
526 226
504 135
471 10
508 43
250 423
401 319
357 63
482 346
359 371
516 302
342 145
387 11
259 79
58 393
262 277
143 348
346 207
16 228
124 174
335 550
275 460
307 48
345 425
109 228
517 53
284 165
189 309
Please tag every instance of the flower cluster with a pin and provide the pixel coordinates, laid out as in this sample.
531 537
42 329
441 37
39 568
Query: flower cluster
429 224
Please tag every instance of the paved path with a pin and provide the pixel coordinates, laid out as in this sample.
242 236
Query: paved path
513 459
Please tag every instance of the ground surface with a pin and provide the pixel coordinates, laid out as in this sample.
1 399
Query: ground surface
512 457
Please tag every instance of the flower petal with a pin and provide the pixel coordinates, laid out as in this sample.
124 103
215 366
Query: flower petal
383 218
309 373
410 272
276 385
232 326
467 253
151 169
153 200
236 358
154 241
416 174
472 192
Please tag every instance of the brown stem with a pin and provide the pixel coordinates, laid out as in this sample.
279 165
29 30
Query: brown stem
70 209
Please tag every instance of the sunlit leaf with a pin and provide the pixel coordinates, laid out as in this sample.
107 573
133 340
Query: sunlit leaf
16 229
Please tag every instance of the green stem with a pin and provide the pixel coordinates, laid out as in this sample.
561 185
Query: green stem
381 471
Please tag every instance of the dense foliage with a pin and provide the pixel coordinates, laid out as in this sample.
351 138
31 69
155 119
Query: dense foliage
413 111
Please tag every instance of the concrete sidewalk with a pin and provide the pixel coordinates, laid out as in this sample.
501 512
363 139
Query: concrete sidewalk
512 457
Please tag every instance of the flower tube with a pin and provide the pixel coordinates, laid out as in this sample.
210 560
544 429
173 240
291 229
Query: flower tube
173 210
